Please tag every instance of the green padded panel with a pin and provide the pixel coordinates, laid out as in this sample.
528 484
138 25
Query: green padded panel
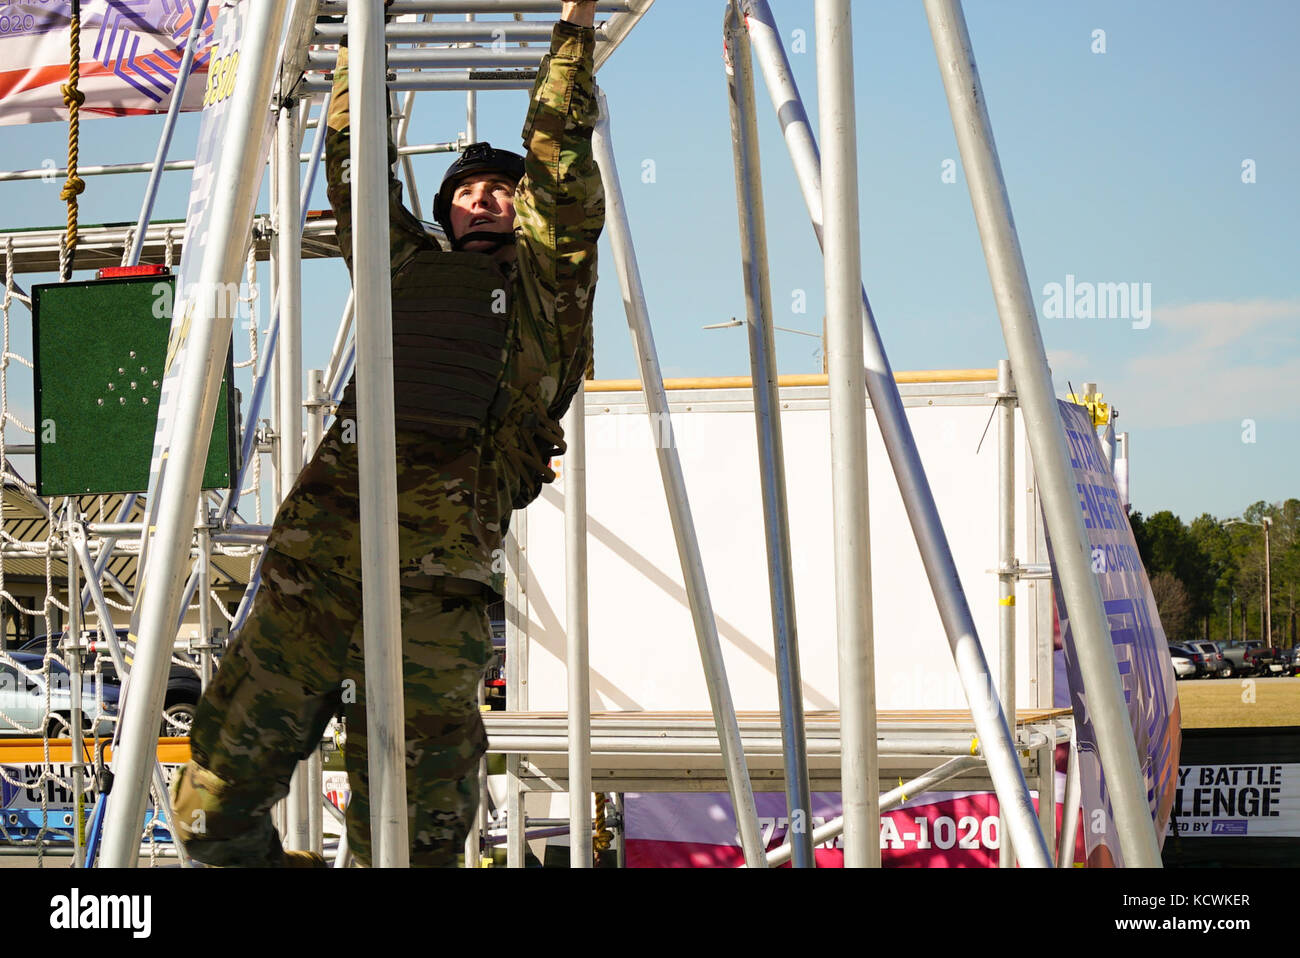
99 350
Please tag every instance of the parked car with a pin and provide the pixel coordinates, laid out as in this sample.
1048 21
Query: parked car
1184 667
1235 653
23 681
1269 660
1196 658
183 685
1216 666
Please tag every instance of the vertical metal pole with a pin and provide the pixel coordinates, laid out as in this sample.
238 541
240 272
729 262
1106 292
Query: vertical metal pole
1006 566
315 764
477 828
1046 433
317 403
200 9
767 405
289 387
289 295
859 775
1268 584
74 671
233 194
516 678
1070 808
376 441
679 510
918 499
408 168
265 361
1047 788
109 631
1121 469
578 667
471 106
204 589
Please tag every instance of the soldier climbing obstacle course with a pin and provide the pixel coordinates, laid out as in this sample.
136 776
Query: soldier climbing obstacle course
491 341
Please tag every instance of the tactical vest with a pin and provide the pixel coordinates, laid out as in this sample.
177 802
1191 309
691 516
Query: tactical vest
455 331
452 331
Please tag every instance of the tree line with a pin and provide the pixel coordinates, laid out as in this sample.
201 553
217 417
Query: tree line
1208 578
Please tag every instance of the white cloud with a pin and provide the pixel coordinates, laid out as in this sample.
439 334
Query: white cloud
1204 376
1066 362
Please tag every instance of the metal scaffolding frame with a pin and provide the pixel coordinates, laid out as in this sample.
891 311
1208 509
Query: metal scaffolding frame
473 54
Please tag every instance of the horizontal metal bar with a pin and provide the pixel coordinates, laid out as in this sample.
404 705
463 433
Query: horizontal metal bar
20 449
459 80
485 31
239 537
337 8
250 529
499 837
438 57
114 169
543 744
109 169
1040 570
115 528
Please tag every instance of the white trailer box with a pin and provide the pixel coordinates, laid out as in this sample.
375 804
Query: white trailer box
643 647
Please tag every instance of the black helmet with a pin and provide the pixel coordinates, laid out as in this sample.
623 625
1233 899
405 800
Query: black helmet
477 158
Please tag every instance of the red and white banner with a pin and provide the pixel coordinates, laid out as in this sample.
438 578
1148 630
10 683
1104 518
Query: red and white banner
934 830
131 53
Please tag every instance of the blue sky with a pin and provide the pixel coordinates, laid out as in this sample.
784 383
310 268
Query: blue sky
1123 166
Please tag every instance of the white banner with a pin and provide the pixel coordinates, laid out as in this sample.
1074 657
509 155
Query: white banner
1242 801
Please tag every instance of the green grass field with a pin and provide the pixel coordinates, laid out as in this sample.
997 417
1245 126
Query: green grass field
1239 702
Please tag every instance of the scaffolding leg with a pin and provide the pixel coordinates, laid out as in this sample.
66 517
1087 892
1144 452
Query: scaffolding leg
762 361
670 467
578 659
376 444
1070 806
77 540
1047 787
914 487
516 678
1046 433
859 774
175 487
1006 413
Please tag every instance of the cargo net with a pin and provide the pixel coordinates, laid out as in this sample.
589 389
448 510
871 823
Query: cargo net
47 798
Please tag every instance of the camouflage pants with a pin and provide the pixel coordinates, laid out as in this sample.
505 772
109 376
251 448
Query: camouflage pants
296 660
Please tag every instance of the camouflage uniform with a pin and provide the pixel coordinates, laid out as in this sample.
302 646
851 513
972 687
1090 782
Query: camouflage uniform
486 361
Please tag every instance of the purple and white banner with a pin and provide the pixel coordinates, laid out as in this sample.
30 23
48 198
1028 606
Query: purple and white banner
131 53
1141 651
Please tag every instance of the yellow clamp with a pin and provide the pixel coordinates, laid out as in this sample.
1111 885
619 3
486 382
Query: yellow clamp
1100 410
974 744
900 785
1007 600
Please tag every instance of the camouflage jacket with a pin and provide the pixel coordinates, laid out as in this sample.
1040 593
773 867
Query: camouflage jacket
456 490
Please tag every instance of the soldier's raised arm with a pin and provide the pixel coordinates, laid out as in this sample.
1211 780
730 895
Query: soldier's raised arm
560 203
406 233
